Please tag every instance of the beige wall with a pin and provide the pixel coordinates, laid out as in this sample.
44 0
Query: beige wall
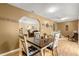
8 35
78 31
73 25
45 29
9 17
14 13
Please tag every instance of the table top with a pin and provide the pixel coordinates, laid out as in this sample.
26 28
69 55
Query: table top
40 43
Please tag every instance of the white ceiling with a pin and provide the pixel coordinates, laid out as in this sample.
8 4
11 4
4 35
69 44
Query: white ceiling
67 11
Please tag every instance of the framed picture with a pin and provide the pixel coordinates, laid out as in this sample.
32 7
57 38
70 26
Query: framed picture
47 25
43 25
53 27
66 27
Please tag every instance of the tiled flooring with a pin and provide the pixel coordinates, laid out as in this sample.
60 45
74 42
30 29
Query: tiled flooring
68 48
47 53
65 48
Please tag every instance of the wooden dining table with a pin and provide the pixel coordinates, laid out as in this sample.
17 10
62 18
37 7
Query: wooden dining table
43 44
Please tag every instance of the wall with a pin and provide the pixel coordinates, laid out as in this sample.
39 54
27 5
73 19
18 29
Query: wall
78 31
48 30
9 26
73 25
8 35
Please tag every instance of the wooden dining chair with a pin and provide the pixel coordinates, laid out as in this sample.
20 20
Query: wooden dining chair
55 45
37 37
56 36
28 49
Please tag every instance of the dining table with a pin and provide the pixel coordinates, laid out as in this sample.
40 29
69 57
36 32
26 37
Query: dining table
42 44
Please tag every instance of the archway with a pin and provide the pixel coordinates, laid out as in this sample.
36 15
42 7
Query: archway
28 24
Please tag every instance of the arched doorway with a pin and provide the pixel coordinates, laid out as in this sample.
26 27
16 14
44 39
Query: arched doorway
28 24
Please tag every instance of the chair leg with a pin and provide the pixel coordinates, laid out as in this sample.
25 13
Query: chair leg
55 53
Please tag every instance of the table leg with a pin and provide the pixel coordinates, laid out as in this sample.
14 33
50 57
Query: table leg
52 50
42 52
20 46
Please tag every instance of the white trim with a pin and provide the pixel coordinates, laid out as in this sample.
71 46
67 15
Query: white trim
6 53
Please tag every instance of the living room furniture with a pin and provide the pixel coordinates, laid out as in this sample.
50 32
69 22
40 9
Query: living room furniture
31 34
74 37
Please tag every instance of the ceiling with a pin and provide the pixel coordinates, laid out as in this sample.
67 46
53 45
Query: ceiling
59 12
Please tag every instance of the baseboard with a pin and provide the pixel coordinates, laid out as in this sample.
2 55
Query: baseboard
11 52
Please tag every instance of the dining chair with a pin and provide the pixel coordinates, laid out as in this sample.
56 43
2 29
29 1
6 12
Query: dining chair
28 49
56 37
56 40
37 37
